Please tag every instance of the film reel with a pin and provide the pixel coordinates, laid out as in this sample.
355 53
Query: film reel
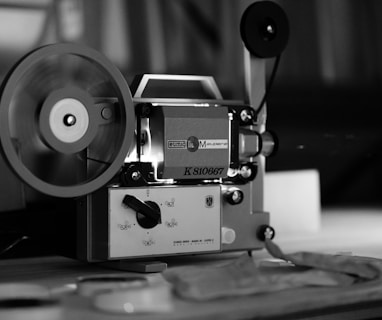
264 28
66 120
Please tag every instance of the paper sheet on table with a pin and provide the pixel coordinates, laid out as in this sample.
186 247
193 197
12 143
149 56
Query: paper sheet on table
243 277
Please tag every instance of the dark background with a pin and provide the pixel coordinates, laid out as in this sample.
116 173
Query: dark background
326 98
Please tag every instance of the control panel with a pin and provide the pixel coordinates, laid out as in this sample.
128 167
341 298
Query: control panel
164 220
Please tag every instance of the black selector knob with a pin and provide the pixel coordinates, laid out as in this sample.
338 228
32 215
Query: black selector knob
148 212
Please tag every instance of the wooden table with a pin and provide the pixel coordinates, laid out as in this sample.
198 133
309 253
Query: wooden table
358 231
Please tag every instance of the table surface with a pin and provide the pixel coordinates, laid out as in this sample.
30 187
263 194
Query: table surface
355 231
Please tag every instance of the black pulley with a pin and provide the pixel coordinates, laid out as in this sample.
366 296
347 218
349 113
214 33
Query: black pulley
264 29
66 120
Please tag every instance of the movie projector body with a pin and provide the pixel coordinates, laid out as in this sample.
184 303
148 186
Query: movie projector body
192 184
171 169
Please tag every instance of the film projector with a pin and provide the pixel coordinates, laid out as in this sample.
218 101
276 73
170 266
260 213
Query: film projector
163 167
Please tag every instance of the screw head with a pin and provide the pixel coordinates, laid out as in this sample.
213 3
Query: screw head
237 196
269 233
246 172
136 175
69 120
234 196
265 232
246 115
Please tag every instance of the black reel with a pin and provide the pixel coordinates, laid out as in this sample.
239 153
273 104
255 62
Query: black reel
264 29
66 120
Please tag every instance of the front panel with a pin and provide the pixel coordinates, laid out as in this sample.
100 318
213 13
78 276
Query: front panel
190 221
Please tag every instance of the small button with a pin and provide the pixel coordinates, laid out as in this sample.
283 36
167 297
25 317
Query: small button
228 235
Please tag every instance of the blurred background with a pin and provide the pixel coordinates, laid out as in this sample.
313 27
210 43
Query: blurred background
325 101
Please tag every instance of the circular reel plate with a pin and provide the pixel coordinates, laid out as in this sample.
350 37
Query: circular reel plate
264 29
68 120
52 131
63 120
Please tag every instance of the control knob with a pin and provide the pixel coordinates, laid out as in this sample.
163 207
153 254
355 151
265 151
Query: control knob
148 212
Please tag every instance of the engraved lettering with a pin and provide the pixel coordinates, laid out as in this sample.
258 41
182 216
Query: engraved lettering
203 171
